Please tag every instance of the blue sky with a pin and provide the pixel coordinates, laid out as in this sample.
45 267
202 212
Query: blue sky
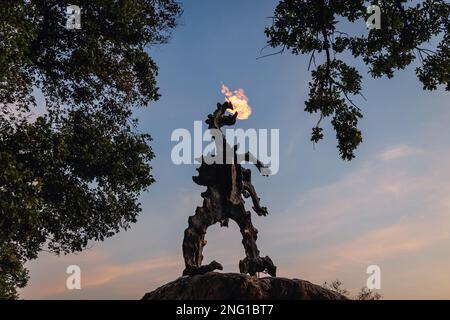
328 218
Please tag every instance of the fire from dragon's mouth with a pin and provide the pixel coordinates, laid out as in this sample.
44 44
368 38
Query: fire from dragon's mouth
239 101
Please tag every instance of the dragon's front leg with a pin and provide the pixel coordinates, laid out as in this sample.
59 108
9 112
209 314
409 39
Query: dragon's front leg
249 191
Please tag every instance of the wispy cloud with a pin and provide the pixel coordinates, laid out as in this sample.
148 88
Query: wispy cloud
383 212
103 274
397 152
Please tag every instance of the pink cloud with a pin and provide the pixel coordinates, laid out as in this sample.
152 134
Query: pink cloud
397 152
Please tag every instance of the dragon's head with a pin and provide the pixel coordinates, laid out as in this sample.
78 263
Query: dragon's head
219 119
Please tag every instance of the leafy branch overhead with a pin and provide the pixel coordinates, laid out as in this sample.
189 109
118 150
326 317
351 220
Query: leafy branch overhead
315 28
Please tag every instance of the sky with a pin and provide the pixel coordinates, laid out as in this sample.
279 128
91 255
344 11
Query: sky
328 219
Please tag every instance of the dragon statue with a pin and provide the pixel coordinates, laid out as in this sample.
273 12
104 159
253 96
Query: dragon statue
227 182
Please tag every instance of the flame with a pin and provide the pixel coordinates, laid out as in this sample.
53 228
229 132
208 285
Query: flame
239 101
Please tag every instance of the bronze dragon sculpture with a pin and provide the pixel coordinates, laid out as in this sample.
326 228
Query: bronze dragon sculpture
226 185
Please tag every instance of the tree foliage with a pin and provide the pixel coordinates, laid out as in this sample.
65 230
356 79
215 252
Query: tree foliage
12 272
363 294
316 27
73 173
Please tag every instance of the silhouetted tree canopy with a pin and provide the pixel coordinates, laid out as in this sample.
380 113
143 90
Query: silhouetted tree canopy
316 27
73 173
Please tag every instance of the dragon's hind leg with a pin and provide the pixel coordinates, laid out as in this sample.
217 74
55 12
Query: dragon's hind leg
252 263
